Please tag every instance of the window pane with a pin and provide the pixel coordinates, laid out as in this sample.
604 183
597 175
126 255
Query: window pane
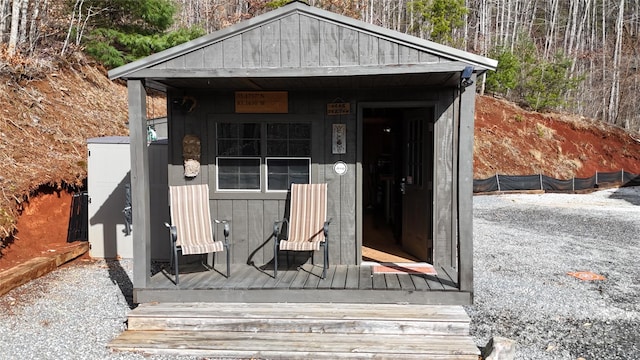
277 131
250 147
299 179
237 139
250 130
228 147
226 181
251 182
300 131
227 131
299 167
282 172
277 148
299 148
239 173
277 166
278 182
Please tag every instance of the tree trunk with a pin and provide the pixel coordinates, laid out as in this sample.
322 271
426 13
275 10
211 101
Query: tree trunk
614 98
4 15
15 21
22 28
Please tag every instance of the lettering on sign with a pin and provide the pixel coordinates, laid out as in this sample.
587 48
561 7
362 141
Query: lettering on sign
339 108
254 102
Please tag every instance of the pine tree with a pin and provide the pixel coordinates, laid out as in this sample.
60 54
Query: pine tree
125 30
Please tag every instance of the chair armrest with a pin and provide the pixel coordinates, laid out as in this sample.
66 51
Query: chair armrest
226 230
326 228
173 231
276 228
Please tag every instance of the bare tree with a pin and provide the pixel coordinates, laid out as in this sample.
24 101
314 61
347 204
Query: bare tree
614 97
15 21
22 28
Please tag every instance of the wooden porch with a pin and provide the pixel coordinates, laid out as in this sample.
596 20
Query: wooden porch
302 283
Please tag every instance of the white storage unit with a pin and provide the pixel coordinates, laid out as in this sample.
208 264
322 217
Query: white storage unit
109 168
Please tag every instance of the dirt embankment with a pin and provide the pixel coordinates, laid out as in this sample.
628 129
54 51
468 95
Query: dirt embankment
512 141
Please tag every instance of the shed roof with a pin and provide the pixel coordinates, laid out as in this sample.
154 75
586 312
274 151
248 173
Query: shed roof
303 42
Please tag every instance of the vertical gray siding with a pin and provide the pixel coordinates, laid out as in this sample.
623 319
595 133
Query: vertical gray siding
299 41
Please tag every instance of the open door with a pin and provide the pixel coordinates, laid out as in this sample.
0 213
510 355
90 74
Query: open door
416 183
396 185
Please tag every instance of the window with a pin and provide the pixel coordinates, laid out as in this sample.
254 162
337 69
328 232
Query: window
283 148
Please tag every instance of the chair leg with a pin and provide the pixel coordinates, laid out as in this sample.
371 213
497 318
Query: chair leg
228 263
325 264
175 259
275 259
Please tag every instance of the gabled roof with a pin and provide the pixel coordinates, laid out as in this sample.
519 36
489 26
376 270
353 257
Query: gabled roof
298 40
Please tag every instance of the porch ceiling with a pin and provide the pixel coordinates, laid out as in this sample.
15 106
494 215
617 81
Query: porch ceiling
422 80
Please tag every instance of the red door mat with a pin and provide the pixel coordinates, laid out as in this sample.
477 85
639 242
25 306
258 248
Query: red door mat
404 268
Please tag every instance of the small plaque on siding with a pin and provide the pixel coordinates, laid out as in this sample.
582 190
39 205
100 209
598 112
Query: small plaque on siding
340 168
262 102
339 139
342 108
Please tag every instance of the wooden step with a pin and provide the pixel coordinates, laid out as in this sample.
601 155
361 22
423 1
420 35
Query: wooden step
299 331
301 318
271 345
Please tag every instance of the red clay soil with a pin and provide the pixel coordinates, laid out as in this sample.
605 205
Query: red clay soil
512 141
42 229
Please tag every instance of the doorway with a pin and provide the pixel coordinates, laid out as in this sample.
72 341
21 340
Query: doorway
396 184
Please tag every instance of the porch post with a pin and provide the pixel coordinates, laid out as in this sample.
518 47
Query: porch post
139 184
465 187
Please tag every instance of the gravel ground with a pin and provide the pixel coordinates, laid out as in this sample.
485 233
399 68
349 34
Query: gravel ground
525 246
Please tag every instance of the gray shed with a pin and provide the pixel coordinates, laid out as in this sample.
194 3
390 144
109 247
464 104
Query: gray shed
302 94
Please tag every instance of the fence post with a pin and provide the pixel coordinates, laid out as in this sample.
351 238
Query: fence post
573 185
596 178
541 187
622 176
498 181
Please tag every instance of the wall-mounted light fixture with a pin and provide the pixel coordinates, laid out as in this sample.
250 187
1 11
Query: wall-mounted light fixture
465 78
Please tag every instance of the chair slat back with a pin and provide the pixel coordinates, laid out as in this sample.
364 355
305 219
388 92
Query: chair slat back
191 215
308 212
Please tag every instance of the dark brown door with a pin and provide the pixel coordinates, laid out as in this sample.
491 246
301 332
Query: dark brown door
416 184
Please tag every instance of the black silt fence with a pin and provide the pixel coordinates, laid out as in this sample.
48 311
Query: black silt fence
546 183
78 218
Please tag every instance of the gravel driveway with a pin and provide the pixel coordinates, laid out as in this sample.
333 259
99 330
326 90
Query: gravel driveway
525 246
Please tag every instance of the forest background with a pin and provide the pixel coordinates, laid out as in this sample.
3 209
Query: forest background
577 56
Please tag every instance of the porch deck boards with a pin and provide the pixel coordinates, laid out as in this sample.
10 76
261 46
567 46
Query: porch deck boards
344 283
307 276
